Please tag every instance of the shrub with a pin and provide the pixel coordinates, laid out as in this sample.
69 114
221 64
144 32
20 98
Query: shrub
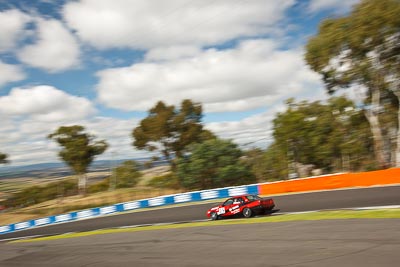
37 194
127 174
100 186
169 180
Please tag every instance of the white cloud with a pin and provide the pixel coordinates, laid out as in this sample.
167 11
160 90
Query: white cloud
56 49
154 23
172 53
252 131
256 130
29 115
12 23
26 142
338 5
252 75
10 73
45 103
117 133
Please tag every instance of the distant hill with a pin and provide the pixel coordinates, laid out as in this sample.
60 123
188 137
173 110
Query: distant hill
55 169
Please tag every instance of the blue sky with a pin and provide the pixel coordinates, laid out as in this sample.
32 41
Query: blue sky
103 63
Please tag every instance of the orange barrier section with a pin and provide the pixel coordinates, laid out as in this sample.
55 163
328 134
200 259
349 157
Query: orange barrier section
335 181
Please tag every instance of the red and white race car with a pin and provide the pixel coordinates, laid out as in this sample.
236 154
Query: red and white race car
246 205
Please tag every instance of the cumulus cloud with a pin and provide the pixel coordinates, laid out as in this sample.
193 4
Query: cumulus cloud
177 37
339 5
154 23
253 74
12 24
254 131
26 142
117 133
45 103
55 49
172 53
29 115
10 73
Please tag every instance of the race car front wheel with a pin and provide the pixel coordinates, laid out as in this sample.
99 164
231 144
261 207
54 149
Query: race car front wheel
247 212
214 216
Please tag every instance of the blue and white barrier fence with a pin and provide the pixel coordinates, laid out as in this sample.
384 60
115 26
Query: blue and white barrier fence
132 205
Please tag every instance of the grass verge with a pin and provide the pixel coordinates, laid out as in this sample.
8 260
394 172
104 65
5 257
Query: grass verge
75 203
311 216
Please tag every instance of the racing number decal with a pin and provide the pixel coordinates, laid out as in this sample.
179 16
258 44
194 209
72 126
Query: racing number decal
221 211
234 209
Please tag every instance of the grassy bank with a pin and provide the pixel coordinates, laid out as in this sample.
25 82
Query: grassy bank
77 202
73 203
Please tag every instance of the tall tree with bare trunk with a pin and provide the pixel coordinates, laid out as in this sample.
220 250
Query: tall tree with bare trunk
363 50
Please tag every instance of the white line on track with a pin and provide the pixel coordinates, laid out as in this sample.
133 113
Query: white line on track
20 238
354 208
159 224
379 207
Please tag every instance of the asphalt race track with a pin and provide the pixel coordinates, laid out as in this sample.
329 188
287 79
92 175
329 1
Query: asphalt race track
332 243
363 197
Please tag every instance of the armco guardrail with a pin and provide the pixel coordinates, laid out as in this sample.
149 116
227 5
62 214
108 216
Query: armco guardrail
327 182
132 205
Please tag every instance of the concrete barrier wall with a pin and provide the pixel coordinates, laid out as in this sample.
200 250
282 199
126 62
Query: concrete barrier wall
336 181
385 177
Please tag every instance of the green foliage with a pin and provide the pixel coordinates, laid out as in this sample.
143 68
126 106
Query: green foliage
3 158
363 48
123 176
169 180
37 194
370 27
254 159
213 163
148 164
170 130
102 186
127 174
79 148
268 165
319 134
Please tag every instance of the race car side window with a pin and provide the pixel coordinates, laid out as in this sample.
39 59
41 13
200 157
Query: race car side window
228 202
238 201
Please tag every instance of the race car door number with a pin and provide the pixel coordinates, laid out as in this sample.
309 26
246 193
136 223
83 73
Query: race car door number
221 211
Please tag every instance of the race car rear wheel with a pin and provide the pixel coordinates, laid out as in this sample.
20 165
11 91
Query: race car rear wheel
214 216
247 212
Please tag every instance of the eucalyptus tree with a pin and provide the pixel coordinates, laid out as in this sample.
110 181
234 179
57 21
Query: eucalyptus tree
78 150
126 175
3 158
362 50
330 136
170 130
213 163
